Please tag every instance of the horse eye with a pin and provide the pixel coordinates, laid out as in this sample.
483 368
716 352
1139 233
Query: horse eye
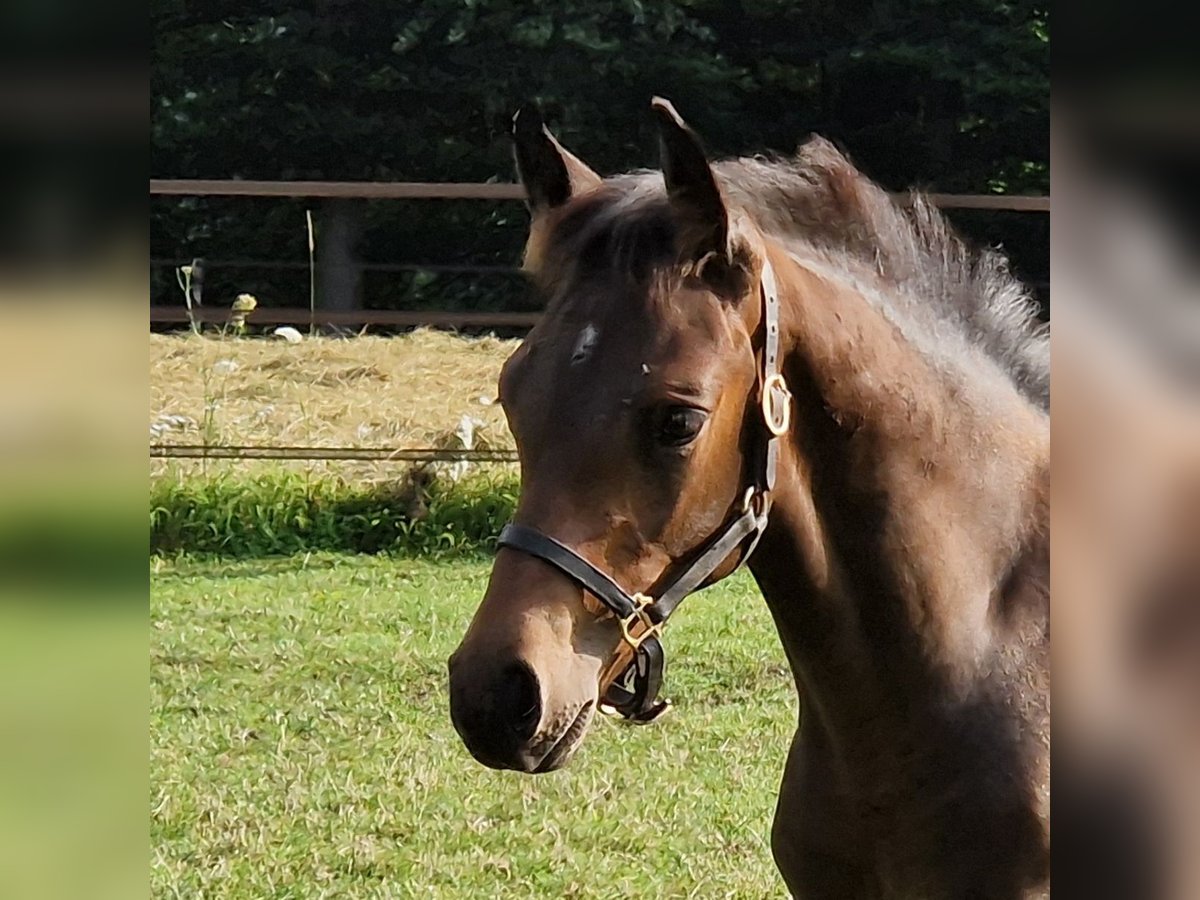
679 425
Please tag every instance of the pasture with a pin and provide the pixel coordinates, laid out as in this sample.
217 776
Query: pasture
301 744
301 747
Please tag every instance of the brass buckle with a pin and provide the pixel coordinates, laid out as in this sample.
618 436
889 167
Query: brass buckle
642 602
776 404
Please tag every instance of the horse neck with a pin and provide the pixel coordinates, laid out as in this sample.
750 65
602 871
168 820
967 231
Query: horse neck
905 500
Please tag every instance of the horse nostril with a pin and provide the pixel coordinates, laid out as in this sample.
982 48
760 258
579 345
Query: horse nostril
520 700
526 722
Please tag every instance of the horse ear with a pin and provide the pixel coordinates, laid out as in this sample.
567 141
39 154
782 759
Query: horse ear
700 212
549 172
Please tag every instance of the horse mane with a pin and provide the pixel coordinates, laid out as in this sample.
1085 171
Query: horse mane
904 258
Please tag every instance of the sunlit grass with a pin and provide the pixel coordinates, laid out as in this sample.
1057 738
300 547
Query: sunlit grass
301 747
279 511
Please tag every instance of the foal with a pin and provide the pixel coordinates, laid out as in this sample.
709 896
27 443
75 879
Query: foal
902 541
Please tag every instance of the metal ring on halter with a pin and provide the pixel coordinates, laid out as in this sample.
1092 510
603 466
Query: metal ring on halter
776 404
639 615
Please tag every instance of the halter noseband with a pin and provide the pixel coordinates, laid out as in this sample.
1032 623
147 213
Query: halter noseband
634 692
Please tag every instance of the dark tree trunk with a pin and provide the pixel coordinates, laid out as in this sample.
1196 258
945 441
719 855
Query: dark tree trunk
339 278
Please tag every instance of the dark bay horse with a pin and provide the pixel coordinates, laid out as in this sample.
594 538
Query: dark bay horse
773 362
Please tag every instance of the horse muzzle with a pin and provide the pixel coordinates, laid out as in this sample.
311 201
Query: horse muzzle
499 711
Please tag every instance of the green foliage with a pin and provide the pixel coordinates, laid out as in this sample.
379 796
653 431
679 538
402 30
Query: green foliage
286 512
946 94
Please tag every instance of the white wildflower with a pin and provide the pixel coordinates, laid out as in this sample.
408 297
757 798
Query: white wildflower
466 436
466 432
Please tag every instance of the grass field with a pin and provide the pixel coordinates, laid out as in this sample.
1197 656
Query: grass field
301 747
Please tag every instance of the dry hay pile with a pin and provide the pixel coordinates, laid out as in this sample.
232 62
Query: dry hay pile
407 391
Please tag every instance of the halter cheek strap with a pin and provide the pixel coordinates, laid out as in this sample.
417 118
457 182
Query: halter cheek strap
633 693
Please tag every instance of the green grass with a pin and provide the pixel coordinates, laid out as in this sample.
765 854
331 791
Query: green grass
301 746
279 512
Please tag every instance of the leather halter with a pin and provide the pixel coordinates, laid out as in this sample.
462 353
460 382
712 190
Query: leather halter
634 692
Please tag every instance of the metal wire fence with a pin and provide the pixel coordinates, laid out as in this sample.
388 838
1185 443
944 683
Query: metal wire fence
359 454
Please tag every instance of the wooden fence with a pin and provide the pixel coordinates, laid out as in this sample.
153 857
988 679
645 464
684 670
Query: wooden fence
425 190
369 190
399 318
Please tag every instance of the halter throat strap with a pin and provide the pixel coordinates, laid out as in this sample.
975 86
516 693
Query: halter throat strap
634 693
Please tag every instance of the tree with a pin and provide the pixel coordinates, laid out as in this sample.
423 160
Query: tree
950 95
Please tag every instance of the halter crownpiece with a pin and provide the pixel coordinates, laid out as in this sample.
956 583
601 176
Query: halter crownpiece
633 692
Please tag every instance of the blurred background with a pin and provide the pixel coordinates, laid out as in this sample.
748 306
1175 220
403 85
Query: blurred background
73 157
1126 453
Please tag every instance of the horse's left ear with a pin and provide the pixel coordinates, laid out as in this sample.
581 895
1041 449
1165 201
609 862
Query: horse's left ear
702 219
550 173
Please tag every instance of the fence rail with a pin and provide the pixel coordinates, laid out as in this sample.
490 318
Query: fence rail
393 318
427 190
363 454
401 318
298 264
370 190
